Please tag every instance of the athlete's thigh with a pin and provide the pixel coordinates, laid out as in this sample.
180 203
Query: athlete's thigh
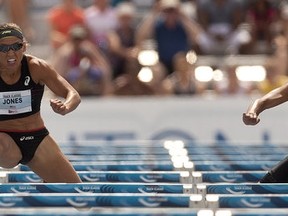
10 154
51 164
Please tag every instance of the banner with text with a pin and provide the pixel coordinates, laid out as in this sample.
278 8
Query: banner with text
141 118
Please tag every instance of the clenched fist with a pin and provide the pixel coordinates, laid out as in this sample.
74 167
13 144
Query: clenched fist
250 118
58 106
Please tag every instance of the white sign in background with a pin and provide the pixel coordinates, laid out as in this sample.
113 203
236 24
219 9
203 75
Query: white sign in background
148 118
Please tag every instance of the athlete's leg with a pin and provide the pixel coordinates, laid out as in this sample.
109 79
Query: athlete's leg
10 154
278 173
51 164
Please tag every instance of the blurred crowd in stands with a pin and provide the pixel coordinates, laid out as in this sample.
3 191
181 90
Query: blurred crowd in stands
161 47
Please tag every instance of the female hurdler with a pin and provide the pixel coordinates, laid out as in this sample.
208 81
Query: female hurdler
23 136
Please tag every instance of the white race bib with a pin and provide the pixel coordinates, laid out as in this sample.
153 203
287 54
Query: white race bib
15 102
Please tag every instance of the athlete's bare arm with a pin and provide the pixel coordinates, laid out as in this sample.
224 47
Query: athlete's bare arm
270 100
45 74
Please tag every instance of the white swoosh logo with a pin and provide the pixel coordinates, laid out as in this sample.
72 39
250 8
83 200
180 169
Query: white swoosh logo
3 204
147 204
14 190
223 178
251 205
147 180
141 168
90 168
82 192
216 168
91 179
33 179
76 204
234 192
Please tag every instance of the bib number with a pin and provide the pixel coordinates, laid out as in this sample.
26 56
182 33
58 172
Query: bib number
15 102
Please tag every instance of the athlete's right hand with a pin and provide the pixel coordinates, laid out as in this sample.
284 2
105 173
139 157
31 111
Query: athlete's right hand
250 118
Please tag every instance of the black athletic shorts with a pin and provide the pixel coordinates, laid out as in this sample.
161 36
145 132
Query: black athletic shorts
28 142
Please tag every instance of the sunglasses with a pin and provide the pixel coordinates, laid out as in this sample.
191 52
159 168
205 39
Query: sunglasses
15 47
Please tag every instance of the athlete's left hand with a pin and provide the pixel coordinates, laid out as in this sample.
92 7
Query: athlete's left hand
58 106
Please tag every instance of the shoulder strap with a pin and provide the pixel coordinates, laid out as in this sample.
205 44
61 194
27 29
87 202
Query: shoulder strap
24 66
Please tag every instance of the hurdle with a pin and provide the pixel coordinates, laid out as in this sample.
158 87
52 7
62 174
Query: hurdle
122 166
216 201
199 150
226 176
210 201
165 166
83 188
164 157
95 200
239 157
233 165
73 157
183 177
92 211
143 212
251 212
243 188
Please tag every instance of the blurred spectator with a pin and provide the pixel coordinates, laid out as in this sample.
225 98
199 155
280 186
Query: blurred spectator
261 16
115 3
84 3
122 40
61 18
190 8
221 20
157 82
231 85
100 19
18 12
82 64
129 84
280 54
273 79
182 81
172 30
283 20
280 41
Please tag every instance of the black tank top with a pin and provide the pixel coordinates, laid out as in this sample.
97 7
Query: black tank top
22 98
